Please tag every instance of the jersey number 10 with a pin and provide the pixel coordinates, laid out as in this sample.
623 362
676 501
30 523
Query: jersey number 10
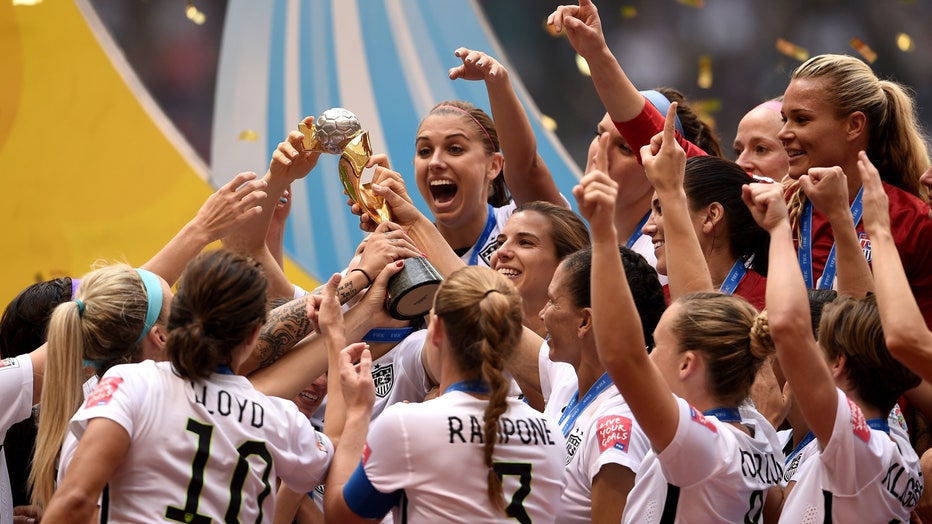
189 513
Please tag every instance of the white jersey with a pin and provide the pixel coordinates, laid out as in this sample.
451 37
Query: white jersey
557 380
481 253
808 447
604 432
15 405
710 472
398 375
210 448
862 475
410 444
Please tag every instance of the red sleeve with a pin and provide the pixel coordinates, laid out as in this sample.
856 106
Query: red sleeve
912 233
638 131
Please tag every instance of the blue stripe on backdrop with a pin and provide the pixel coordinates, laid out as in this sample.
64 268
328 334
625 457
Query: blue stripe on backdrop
397 112
402 51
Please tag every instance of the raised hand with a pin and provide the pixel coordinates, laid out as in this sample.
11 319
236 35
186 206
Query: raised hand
478 66
767 205
663 159
385 245
290 160
827 189
582 24
875 200
596 193
356 379
231 205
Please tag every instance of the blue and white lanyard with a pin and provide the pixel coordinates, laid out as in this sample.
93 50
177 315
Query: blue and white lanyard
387 334
799 447
484 237
637 232
576 406
735 275
725 415
880 424
478 387
805 245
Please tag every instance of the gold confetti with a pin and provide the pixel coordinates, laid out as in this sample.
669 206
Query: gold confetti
792 50
865 50
551 30
26 2
693 3
705 72
248 135
548 123
582 65
629 11
905 42
706 109
193 14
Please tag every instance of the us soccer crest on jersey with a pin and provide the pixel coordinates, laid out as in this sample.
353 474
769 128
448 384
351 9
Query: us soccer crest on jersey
383 376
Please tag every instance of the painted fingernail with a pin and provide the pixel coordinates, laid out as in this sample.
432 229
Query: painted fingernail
400 263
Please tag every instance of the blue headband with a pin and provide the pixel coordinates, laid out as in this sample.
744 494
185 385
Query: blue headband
154 300
662 104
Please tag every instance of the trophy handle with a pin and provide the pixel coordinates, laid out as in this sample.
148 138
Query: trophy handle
352 162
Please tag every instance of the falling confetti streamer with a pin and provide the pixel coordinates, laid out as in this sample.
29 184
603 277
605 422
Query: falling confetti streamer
693 3
26 2
865 50
248 135
582 65
905 43
549 123
792 50
193 14
705 72
629 11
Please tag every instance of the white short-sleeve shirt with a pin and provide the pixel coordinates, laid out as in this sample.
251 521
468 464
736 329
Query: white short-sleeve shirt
220 430
710 472
15 405
862 475
433 451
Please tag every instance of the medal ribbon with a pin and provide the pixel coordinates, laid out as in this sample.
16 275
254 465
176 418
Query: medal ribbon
805 245
484 237
576 406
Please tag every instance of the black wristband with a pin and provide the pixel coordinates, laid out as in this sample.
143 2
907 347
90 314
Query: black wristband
361 270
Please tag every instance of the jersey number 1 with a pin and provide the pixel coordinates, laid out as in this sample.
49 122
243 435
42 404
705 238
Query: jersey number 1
189 513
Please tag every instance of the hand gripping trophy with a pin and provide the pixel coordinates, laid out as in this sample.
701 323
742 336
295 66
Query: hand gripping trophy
337 131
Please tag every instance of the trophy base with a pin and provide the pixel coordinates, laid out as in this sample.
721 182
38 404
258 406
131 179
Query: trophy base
411 291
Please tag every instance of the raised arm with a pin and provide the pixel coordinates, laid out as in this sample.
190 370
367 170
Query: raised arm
287 376
614 312
231 206
827 189
621 98
801 359
904 328
349 406
665 165
526 174
289 162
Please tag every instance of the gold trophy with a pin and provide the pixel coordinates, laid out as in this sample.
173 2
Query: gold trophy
337 131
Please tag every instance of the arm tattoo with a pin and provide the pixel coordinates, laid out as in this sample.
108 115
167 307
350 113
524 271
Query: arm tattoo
285 327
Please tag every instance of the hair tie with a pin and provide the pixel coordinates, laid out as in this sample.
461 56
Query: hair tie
95 364
153 286
489 292
474 119
662 104
80 304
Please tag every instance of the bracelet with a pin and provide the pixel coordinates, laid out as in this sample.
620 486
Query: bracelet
361 270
